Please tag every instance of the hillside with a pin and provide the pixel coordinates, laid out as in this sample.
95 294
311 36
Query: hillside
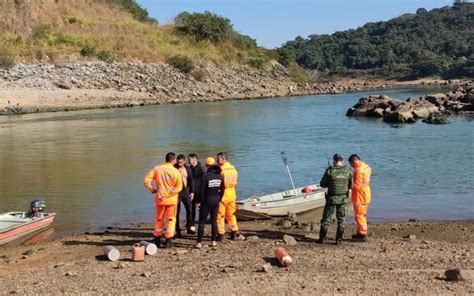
71 30
429 43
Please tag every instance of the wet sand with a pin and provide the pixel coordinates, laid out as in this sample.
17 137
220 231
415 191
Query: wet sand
389 264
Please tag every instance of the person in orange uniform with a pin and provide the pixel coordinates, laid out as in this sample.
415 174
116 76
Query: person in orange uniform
361 195
227 207
168 183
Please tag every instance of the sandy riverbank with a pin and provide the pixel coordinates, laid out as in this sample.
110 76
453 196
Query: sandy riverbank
48 88
389 264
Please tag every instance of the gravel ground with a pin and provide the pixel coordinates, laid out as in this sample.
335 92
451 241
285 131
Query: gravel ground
399 259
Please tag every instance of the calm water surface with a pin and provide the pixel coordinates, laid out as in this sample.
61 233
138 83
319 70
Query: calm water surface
89 165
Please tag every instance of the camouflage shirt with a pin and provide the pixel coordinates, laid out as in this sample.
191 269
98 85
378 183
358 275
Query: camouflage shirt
338 181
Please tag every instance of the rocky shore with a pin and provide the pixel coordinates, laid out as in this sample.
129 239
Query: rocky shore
431 108
408 258
49 87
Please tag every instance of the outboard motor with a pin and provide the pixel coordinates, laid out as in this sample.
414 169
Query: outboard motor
36 208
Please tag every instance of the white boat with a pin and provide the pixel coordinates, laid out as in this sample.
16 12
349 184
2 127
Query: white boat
18 225
293 201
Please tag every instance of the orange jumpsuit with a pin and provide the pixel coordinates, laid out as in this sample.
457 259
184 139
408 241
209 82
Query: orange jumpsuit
361 195
227 207
169 183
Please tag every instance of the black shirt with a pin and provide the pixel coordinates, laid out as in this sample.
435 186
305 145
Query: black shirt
212 187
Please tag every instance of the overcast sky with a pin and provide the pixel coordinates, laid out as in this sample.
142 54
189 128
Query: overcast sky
273 22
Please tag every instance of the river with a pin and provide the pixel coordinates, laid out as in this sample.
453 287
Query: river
89 165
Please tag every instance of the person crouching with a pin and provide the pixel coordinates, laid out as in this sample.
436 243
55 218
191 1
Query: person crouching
212 190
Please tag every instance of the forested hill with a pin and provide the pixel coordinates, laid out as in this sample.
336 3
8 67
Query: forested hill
438 42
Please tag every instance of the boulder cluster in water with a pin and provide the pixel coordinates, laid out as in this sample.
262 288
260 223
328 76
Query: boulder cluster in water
431 108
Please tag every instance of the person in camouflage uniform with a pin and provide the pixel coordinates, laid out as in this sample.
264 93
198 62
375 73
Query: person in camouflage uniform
338 180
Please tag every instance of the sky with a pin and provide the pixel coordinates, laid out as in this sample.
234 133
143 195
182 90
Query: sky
273 22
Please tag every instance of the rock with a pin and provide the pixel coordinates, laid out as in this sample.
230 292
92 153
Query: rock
289 240
410 237
252 238
29 252
436 118
71 273
459 275
240 237
146 274
267 268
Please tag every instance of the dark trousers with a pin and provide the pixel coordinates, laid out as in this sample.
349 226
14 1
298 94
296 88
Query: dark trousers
184 198
194 210
329 209
204 212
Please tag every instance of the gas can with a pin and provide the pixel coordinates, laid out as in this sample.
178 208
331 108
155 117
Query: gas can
138 253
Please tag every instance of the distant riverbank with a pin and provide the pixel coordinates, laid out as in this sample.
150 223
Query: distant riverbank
49 88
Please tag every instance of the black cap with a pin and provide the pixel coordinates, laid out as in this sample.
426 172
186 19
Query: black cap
337 157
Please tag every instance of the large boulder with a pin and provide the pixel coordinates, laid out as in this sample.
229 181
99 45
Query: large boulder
437 99
401 115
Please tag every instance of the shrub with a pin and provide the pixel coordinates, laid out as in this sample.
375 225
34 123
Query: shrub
298 74
106 56
88 51
204 26
138 13
257 62
182 63
199 74
42 31
244 41
7 59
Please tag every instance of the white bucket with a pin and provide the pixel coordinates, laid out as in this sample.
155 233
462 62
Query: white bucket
150 248
111 253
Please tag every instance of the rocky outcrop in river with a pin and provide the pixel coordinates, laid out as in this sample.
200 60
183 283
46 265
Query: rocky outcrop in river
49 87
430 108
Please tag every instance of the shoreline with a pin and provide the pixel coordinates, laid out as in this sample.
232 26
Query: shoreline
49 88
408 258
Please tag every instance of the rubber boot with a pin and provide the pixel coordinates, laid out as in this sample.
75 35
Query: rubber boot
233 235
322 235
220 237
360 239
339 235
169 243
160 242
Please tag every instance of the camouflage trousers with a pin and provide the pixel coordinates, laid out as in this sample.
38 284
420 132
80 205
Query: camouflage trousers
329 208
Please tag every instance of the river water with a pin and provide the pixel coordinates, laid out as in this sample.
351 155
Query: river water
89 165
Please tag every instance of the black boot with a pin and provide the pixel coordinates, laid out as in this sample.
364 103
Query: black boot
169 243
160 242
220 237
361 238
234 235
178 234
322 235
339 235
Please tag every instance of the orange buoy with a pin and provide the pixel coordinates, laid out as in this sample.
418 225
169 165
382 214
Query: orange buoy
283 257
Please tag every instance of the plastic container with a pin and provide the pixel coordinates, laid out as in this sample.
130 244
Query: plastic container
138 253
111 253
150 248
283 257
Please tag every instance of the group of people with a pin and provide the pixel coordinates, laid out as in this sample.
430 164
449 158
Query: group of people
211 191
339 182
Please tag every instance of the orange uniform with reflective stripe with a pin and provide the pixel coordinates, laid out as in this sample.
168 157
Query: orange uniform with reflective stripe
169 183
361 195
227 207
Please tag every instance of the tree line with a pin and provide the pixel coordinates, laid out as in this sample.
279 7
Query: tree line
428 43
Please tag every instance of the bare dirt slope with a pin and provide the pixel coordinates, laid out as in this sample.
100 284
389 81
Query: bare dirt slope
388 265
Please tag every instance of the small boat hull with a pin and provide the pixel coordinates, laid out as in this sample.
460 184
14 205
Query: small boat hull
281 204
14 225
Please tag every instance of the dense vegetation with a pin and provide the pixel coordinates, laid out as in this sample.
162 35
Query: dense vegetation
110 30
138 12
429 43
